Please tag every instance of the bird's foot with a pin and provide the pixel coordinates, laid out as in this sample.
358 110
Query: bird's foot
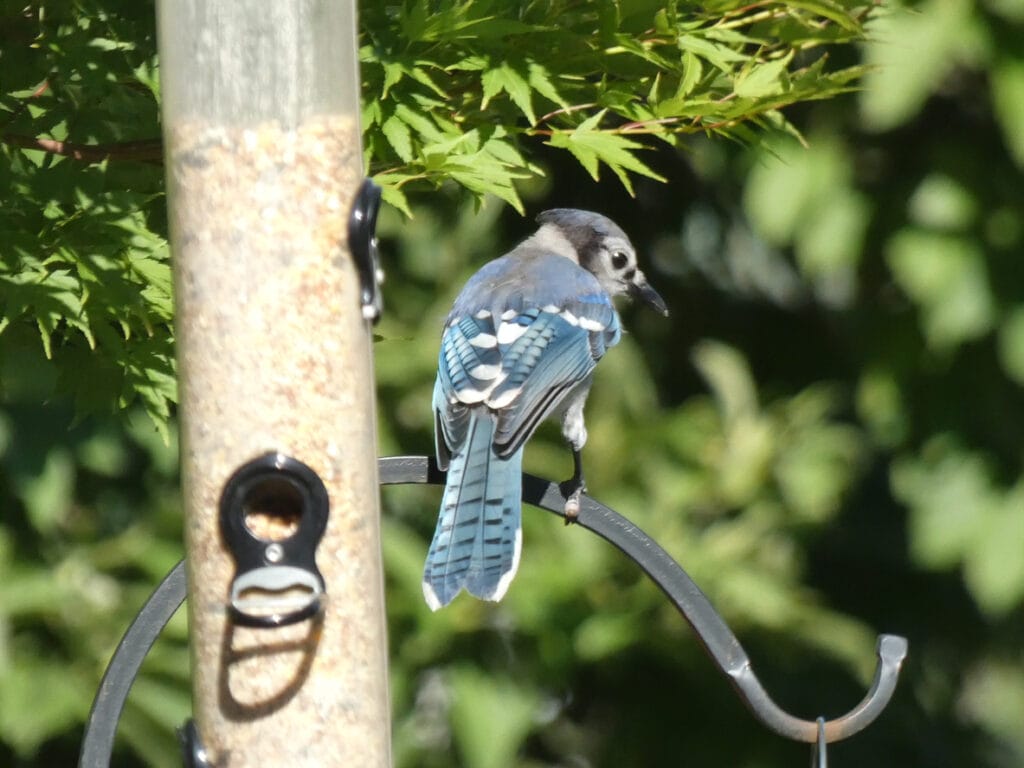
573 489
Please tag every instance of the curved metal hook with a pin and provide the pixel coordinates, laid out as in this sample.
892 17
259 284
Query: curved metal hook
712 631
719 641
101 727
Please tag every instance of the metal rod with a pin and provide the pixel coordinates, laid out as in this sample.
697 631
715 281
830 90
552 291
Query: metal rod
101 727
712 631
261 124
710 628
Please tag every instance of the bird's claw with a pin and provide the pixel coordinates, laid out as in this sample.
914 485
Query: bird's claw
572 501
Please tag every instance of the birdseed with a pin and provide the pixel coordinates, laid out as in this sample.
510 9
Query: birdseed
275 356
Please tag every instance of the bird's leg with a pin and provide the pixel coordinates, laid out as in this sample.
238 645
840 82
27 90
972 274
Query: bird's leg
574 488
575 432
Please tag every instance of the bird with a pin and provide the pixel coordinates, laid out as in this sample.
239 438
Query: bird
519 346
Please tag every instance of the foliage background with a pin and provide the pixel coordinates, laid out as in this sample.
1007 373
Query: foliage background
826 433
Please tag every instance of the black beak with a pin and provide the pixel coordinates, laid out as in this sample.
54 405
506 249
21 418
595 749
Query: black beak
640 288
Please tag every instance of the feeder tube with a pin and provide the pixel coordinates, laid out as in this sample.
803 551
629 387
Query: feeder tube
260 107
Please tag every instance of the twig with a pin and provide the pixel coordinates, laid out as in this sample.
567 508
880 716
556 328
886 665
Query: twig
144 150
640 126
565 111
746 21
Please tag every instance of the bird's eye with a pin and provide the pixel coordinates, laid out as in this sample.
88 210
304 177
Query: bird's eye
619 259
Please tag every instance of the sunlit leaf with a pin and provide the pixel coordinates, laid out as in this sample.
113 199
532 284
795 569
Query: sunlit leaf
946 277
1008 99
993 568
507 78
911 52
763 79
490 717
1011 344
592 147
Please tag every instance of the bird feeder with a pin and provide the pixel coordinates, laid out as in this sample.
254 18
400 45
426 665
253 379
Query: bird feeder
264 166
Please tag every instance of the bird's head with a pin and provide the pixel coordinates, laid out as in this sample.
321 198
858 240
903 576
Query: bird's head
604 250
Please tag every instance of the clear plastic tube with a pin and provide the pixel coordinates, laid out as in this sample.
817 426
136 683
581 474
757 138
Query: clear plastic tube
245 62
263 159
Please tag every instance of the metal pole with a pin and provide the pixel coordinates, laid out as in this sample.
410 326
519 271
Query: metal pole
261 126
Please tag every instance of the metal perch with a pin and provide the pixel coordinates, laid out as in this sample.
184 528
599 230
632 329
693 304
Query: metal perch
719 641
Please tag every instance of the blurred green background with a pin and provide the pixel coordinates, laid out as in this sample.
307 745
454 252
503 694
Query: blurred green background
827 435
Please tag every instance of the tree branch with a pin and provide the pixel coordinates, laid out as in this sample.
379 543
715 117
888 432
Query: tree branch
144 150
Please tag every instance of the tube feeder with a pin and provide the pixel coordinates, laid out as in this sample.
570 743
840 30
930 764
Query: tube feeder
260 107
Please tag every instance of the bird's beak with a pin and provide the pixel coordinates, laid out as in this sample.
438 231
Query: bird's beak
640 288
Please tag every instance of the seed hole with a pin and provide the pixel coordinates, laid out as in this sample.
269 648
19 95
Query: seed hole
273 509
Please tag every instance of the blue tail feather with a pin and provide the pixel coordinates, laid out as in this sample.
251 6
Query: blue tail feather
477 541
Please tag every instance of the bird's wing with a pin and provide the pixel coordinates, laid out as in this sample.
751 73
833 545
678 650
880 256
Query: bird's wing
556 349
465 372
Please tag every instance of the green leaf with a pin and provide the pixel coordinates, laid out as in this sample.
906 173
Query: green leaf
717 55
147 73
399 136
47 495
1008 99
728 375
28 719
949 493
1011 344
910 54
391 191
692 72
992 696
830 243
508 79
994 569
881 406
941 202
745 456
816 468
540 80
393 74
484 174
827 9
419 122
786 187
592 147
761 80
641 50
946 278
490 716
958 514
603 635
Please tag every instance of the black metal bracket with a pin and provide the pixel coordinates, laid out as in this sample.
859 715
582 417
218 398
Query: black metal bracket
712 631
192 750
282 574
362 243
101 727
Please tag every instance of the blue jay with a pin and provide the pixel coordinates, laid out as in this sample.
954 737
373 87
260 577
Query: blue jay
519 345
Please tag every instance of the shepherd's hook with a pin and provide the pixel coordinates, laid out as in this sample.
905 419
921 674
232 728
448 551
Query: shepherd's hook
712 631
